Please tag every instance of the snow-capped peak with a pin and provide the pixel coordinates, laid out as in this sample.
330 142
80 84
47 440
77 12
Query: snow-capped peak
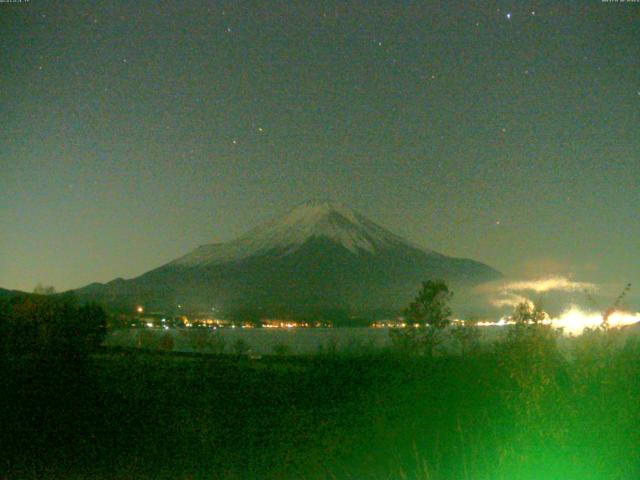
313 219
315 211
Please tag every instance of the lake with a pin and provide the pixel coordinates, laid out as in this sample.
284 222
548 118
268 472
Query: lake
293 341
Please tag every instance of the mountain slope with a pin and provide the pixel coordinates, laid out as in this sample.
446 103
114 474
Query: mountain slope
318 257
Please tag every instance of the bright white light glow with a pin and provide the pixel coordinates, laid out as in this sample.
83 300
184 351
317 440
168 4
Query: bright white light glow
574 320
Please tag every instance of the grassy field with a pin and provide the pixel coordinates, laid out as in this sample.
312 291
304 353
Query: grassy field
501 414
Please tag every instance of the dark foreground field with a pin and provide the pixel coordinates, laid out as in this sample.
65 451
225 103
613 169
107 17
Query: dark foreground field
495 415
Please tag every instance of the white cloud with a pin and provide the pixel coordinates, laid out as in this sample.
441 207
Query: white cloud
562 284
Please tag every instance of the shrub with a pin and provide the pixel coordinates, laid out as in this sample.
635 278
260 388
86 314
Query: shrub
240 347
530 357
216 343
467 335
146 339
198 338
281 349
166 343
205 340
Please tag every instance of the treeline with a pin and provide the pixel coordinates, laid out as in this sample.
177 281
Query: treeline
51 326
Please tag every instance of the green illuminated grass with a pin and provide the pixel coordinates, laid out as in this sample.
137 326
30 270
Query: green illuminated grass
519 412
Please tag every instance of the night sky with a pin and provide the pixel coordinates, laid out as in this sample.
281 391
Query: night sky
132 132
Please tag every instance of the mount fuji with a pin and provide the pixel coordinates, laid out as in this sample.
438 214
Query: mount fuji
319 259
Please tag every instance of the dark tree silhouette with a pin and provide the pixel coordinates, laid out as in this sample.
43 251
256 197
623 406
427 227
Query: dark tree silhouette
92 325
51 326
41 289
431 306
426 317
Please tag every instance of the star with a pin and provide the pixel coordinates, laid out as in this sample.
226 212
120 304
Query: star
234 141
509 16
